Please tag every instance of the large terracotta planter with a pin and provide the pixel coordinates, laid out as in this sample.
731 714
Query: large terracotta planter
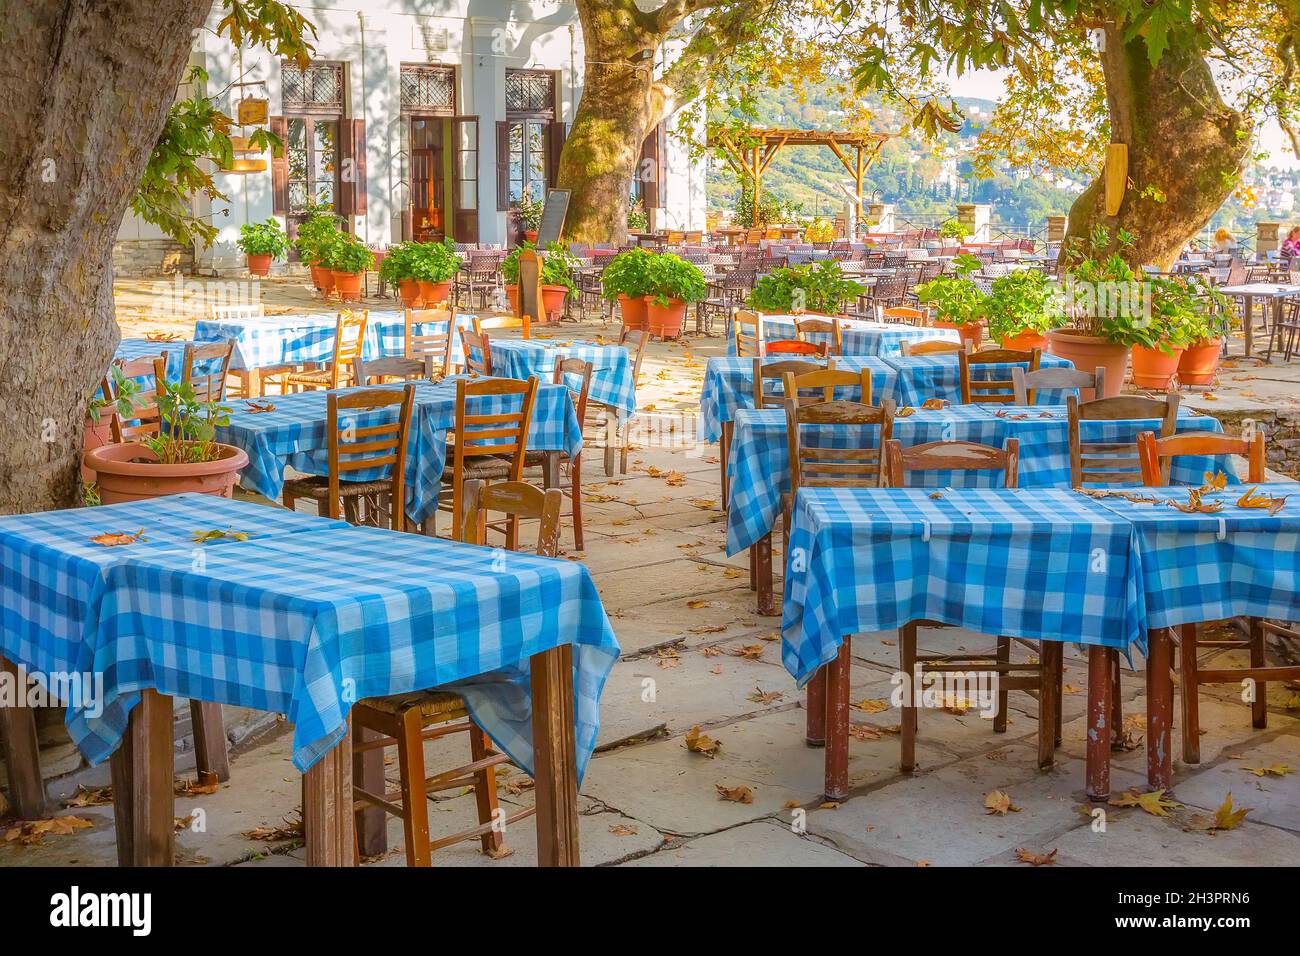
665 321
1153 368
553 297
1025 341
130 472
409 290
322 278
434 293
1087 352
348 285
1199 362
633 311
259 265
97 435
970 332
530 235
512 296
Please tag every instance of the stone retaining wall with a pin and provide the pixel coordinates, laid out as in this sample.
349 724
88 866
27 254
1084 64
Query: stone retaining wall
1281 432
142 257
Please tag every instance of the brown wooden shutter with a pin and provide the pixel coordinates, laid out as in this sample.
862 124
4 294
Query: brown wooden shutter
352 149
280 166
661 134
503 165
647 171
555 136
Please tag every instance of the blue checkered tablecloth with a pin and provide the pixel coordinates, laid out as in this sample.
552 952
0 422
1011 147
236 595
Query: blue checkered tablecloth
759 463
51 573
611 367
295 434
293 339
859 337
1208 567
309 625
939 376
1032 563
130 349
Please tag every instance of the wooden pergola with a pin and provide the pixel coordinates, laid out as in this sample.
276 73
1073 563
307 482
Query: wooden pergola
750 153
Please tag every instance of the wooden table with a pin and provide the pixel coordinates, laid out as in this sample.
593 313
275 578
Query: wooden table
1275 293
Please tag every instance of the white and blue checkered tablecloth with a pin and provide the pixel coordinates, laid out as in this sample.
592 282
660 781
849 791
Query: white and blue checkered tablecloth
296 433
1033 563
292 339
759 464
308 626
611 367
51 573
858 336
939 376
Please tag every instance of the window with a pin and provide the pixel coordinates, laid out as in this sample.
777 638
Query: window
529 141
530 92
317 89
428 89
311 146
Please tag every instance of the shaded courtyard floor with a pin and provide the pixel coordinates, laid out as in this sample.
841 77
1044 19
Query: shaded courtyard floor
695 654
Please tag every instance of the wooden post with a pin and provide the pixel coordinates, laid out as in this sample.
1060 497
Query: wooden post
327 818
21 750
148 800
1098 760
815 703
837 722
372 822
1160 707
763 569
555 757
1050 654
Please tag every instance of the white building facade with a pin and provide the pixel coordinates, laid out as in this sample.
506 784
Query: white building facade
417 119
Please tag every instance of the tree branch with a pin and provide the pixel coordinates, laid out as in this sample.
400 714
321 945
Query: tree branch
675 11
717 38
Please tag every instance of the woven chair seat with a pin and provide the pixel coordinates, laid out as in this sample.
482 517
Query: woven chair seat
481 466
430 703
318 487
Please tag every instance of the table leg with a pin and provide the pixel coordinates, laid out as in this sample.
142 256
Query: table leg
815 723
551 470
143 799
724 450
21 751
555 757
763 575
253 387
1247 314
327 818
372 822
1099 690
837 722
211 756
1160 706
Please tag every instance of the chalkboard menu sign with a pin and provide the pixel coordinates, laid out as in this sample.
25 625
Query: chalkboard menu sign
557 207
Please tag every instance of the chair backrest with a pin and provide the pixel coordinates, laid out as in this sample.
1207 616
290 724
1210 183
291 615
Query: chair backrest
378 371
516 500
493 322
902 313
1114 462
930 347
765 372
1157 454
434 346
994 391
796 347
478 352
205 366
349 342
145 420
635 341
827 380
1238 273
503 434
747 332
1025 385
565 368
837 467
951 456
355 447
226 313
806 327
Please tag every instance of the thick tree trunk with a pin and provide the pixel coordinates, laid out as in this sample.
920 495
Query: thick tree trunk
1185 148
85 87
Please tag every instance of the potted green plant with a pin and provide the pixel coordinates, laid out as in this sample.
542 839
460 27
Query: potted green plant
674 283
398 270
347 258
314 234
819 287
637 220
1200 359
182 457
957 301
1021 307
262 243
1179 317
119 402
954 230
627 279
434 265
530 215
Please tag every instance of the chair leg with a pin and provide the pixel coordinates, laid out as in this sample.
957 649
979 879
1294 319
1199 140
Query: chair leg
1004 657
415 801
1187 678
815 722
1116 705
575 490
1259 706
1060 693
1049 669
907 731
485 794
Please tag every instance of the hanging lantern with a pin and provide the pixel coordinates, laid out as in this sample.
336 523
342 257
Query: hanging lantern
242 144
242 167
253 111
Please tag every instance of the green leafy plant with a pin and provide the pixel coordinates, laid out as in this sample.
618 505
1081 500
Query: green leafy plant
433 261
557 265
346 253
628 273
1103 293
820 230
530 211
954 229
770 208
263 239
186 435
816 287
1022 301
124 401
672 277
398 264
316 232
637 220
1185 312
955 297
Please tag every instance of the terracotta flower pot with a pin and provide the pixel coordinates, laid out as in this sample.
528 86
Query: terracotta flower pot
1087 352
409 291
665 321
512 296
130 472
1199 362
1024 341
1153 368
530 235
434 293
972 332
553 297
633 311
259 265
322 278
96 435
348 285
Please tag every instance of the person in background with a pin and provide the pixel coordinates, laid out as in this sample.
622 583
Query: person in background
1223 241
1291 247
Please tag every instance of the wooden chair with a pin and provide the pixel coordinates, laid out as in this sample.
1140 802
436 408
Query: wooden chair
394 368
205 367
250 380
992 391
146 421
765 372
747 333
796 347
930 347
1042 676
1025 385
903 314
1157 455
1114 463
353 447
349 341
827 381
493 322
406 721
432 346
486 446
603 421
805 327
477 350
564 369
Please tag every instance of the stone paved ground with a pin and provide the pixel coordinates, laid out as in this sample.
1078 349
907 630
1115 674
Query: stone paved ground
683 613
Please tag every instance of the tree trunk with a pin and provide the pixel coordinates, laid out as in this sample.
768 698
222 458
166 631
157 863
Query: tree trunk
1185 148
87 87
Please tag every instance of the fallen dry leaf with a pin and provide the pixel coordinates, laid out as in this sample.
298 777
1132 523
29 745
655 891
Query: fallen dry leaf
1225 818
1275 770
751 652
85 797
1153 802
112 539
698 743
765 697
32 832
1035 859
740 794
998 802
623 829
871 705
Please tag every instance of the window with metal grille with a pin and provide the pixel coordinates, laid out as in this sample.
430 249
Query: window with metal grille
530 92
317 88
429 89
